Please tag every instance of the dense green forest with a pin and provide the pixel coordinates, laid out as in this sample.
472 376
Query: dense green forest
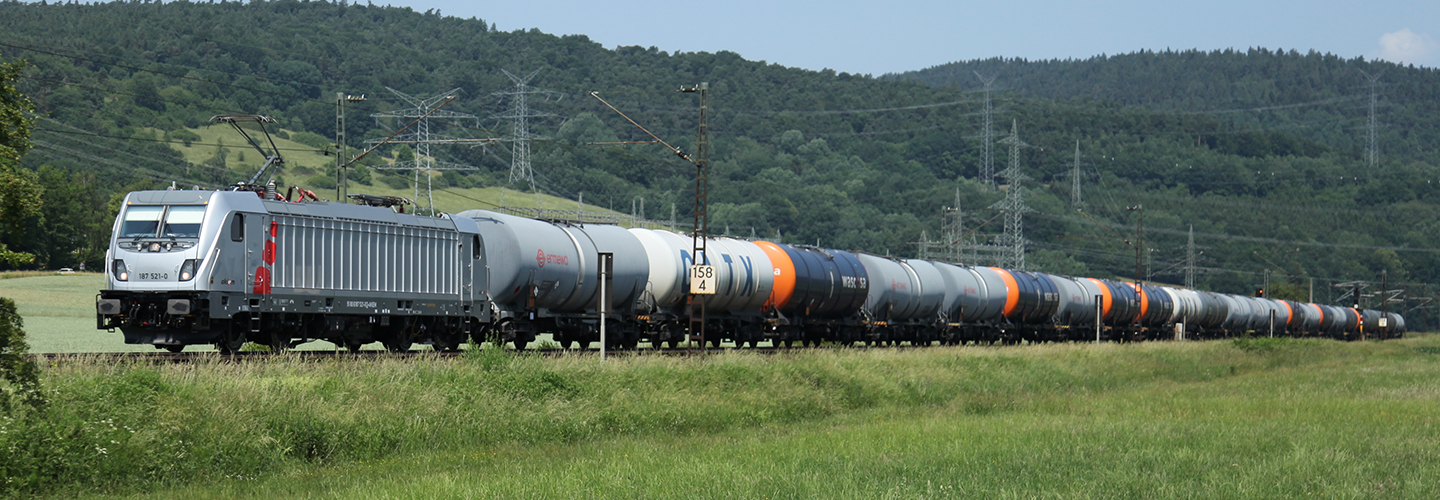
1261 151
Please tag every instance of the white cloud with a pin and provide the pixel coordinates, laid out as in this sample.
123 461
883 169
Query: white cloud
1406 46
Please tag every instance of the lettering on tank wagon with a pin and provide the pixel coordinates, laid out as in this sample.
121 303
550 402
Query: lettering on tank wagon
748 288
896 285
541 258
852 282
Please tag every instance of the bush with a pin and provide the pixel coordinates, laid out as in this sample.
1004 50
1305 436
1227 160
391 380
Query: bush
396 182
320 182
184 136
19 378
359 174
311 139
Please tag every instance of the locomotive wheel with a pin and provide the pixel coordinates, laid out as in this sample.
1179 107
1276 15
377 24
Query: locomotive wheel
788 343
230 340
278 341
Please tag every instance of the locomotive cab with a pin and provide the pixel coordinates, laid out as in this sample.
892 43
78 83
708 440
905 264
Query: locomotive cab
162 244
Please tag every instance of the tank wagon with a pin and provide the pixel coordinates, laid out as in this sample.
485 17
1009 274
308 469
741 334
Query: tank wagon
226 267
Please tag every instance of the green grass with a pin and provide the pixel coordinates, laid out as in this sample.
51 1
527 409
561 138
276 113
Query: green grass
1308 418
59 312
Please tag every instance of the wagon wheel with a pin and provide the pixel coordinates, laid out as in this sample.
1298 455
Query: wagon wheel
448 341
175 348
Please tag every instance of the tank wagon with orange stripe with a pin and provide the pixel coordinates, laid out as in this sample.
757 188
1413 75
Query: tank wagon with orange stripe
222 268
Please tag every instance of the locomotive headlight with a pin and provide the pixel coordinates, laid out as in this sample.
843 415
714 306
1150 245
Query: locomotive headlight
118 268
187 269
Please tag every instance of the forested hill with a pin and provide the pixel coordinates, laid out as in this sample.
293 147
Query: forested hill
1318 96
124 91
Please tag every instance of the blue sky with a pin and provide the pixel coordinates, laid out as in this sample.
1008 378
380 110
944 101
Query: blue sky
900 35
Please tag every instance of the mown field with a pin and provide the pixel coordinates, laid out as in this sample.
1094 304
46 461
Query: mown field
1226 419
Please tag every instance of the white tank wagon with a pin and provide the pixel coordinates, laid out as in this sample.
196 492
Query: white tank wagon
744 279
224 267
544 277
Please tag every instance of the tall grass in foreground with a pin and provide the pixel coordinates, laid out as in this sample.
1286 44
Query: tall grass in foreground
118 427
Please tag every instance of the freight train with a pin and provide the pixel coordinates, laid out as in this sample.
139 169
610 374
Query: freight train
227 267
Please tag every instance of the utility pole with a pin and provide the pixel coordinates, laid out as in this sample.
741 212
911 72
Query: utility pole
701 160
1014 204
1190 260
1075 202
1139 243
342 186
987 157
1384 304
701 228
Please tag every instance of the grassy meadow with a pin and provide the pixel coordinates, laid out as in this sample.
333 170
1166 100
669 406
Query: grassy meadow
1263 418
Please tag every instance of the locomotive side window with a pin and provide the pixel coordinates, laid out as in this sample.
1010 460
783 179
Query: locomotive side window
237 228
475 246
183 221
141 221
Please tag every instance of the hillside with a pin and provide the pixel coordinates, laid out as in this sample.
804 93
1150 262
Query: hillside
1317 96
806 156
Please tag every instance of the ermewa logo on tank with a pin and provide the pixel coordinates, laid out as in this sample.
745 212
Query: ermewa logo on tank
541 259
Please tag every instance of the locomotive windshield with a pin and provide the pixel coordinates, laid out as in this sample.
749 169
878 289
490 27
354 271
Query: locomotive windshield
183 221
145 221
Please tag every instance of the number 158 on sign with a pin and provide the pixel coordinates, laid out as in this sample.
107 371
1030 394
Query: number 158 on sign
702 280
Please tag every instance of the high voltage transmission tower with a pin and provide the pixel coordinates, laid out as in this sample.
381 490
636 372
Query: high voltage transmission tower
520 136
987 156
1075 202
420 135
1014 204
1372 143
956 245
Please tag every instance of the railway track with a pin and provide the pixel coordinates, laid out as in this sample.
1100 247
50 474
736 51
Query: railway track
188 357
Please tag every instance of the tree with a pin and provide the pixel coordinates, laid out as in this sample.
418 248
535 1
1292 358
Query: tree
19 189
15 122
